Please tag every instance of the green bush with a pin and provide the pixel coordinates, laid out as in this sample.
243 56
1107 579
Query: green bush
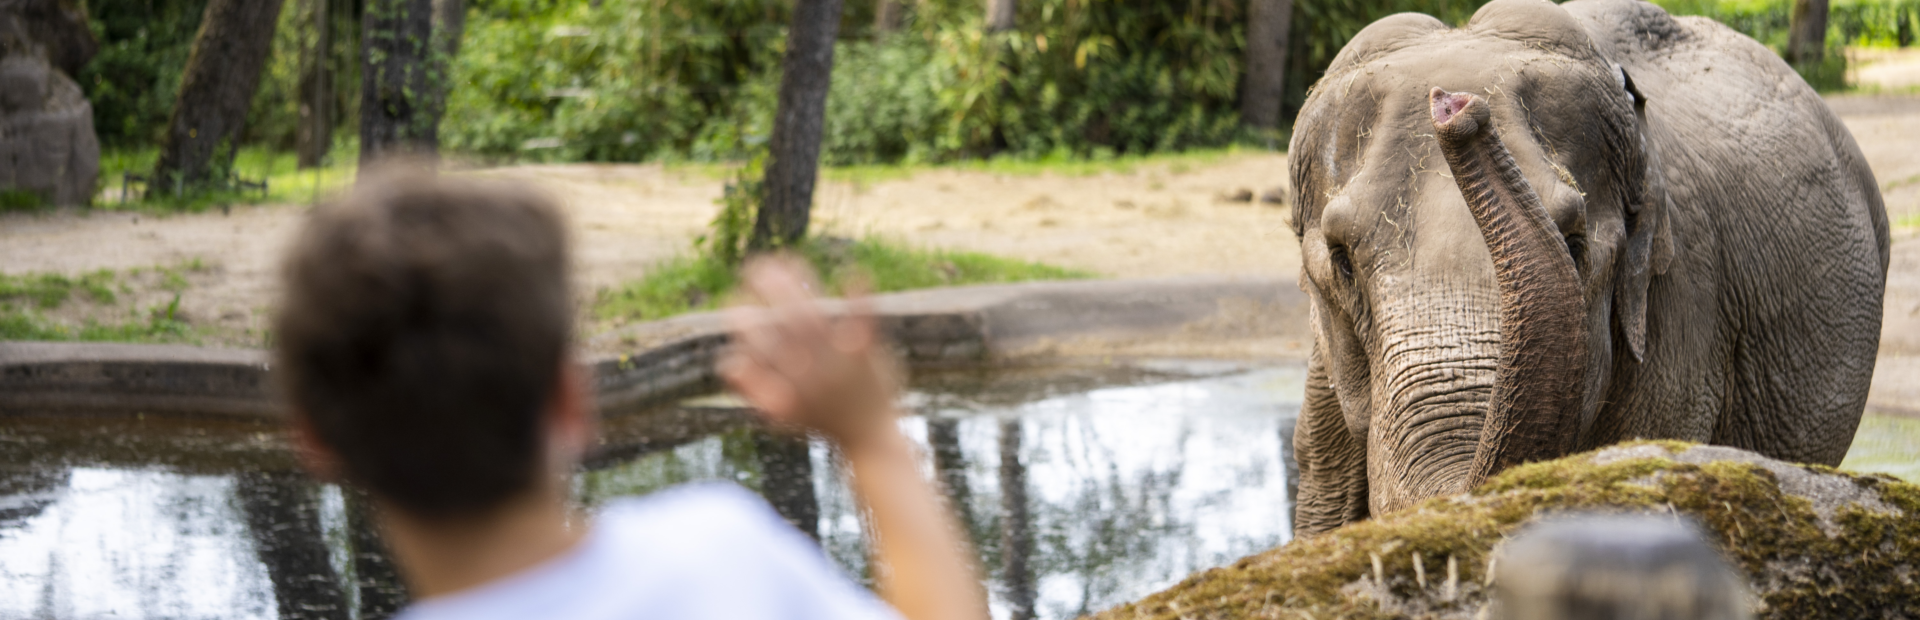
629 80
624 81
1862 23
885 103
143 51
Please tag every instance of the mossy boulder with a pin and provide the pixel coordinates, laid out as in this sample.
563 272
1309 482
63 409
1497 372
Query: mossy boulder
1813 542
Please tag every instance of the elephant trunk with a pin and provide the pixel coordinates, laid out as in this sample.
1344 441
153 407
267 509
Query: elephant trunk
1538 384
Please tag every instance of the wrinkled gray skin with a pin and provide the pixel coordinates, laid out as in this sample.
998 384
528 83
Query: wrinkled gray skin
1689 246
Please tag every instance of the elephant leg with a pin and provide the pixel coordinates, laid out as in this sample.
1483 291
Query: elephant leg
1333 463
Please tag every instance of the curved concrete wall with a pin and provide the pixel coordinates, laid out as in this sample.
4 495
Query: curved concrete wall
650 363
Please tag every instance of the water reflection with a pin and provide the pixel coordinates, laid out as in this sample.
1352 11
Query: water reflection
376 582
283 519
1081 488
1016 525
786 470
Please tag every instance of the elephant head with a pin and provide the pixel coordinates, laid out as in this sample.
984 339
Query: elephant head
1479 217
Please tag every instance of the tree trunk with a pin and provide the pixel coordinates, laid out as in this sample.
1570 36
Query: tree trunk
397 89
1000 15
887 18
1807 33
315 135
223 70
798 125
1000 18
1266 86
449 23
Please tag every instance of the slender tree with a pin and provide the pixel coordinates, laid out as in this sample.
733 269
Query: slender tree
1807 32
1000 19
888 16
1266 85
449 23
315 135
799 123
1000 15
222 73
398 95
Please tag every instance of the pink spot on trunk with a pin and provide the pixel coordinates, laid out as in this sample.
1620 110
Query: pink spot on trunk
1446 105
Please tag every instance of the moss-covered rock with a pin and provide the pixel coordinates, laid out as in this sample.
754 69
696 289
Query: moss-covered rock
1814 542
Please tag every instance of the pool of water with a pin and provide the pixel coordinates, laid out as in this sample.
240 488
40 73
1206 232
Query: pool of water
1080 487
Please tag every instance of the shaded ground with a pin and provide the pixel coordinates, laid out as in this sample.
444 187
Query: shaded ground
1161 219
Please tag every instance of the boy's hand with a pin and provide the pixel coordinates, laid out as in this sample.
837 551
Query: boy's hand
830 374
800 367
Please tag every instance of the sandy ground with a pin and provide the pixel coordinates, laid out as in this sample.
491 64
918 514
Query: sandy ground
1159 220
1885 69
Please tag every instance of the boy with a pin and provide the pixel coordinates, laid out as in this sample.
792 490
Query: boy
424 345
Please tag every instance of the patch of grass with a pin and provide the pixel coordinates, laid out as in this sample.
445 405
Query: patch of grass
286 183
157 324
26 299
1908 221
695 283
20 200
50 290
1887 445
1057 164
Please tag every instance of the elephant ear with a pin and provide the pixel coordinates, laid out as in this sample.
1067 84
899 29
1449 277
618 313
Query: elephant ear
1649 247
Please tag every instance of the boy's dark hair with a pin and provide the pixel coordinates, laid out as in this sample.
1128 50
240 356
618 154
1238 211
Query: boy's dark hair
422 332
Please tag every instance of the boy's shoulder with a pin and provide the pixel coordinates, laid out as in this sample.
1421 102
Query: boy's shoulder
697 551
689 513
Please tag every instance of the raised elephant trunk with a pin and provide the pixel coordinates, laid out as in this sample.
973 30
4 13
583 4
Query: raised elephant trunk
1543 343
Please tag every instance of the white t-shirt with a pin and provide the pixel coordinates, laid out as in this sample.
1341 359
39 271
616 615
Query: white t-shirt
698 551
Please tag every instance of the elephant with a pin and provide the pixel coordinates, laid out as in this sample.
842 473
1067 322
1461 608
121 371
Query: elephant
1558 227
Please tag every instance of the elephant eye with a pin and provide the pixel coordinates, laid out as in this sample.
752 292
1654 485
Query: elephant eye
1577 249
1341 262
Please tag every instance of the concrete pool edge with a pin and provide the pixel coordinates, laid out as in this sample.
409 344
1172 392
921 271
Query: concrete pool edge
649 363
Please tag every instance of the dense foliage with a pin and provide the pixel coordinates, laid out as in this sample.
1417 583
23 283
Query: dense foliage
1875 23
143 51
626 80
1849 22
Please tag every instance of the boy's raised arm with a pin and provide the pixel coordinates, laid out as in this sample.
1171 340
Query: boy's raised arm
801 368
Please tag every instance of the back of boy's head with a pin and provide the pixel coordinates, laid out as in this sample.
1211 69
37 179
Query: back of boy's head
421 334
1616 567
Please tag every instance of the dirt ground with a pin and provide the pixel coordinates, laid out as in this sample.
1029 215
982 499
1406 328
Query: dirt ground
1884 69
1163 219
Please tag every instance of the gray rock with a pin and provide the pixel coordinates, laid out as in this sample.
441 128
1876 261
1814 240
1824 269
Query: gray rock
47 143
